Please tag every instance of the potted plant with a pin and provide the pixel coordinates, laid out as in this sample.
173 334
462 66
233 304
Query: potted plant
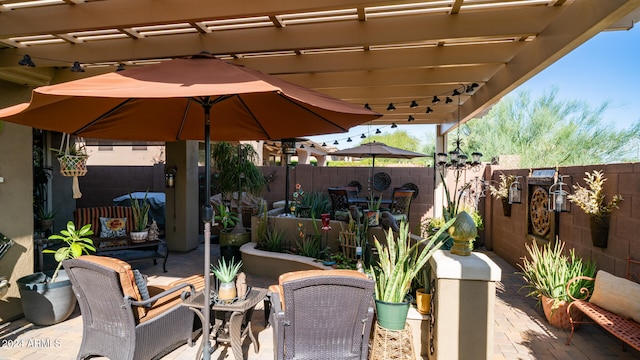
233 234
45 218
48 298
140 218
226 273
398 264
502 192
546 273
592 201
373 211
236 173
423 291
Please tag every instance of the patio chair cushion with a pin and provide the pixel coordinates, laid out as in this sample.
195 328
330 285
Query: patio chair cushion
169 301
295 275
141 282
617 295
127 278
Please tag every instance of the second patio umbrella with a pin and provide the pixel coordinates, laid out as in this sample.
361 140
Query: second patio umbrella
377 149
175 100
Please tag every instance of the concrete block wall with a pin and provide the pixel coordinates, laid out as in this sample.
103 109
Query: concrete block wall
509 235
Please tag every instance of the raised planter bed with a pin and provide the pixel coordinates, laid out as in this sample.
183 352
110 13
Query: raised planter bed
271 264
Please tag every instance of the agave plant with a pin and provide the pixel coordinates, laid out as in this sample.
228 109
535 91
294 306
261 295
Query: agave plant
400 262
226 272
548 270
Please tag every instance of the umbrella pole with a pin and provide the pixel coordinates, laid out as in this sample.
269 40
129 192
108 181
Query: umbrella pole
207 215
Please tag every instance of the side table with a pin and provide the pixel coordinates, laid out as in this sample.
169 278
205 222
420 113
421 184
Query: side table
237 327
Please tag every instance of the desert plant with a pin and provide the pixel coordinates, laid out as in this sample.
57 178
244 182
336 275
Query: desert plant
77 241
400 261
547 271
226 272
374 203
272 240
592 199
319 203
502 191
140 212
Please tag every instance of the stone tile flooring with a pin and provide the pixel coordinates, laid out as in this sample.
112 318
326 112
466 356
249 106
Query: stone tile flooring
520 330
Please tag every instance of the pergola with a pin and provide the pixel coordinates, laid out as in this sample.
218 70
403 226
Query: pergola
365 52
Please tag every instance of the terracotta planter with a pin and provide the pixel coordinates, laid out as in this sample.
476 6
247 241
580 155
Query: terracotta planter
599 230
506 207
558 317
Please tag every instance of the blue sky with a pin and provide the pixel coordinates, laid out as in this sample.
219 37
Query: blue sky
606 67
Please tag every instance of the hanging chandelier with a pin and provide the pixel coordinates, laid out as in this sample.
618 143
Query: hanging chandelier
457 159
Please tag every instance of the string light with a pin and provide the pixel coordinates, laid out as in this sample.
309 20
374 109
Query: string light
413 104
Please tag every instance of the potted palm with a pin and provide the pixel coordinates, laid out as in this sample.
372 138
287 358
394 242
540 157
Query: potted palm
546 272
47 298
226 273
399 263
502 192
592 201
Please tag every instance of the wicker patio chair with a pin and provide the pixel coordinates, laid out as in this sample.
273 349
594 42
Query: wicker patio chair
339 203
116 323
322 314
401 203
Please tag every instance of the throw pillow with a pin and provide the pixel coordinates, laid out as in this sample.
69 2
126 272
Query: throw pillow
113 227
141 281
616 294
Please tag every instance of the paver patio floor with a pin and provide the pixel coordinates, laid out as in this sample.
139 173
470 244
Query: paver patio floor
520 331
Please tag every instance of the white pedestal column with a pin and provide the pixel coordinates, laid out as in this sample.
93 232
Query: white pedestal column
464 296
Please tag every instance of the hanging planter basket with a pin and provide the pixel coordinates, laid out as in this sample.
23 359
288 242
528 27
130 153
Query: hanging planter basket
73 161
73 165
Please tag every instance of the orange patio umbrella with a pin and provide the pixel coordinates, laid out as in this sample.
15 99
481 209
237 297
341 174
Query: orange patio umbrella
194 98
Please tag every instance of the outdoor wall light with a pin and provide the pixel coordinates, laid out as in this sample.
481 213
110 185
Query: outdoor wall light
515 191
170 176
558 200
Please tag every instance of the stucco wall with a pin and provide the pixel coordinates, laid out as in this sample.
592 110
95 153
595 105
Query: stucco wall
16 212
